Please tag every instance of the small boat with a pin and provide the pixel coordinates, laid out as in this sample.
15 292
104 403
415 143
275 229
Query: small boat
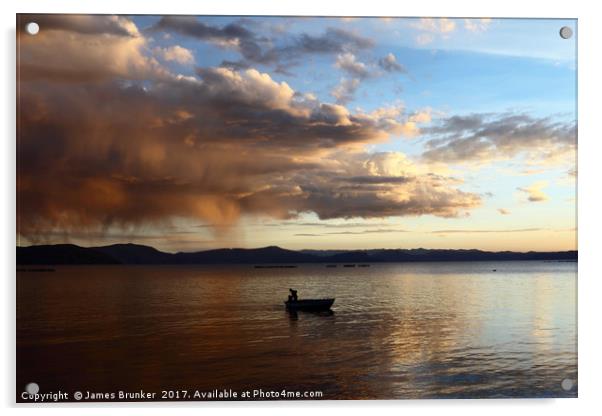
309 304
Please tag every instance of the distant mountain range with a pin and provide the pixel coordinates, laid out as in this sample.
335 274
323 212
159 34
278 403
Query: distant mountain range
139 254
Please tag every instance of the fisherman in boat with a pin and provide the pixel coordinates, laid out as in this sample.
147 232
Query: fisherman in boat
293 296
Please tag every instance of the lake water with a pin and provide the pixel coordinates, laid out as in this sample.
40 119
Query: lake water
398 331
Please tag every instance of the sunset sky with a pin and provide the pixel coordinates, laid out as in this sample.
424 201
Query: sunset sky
191 133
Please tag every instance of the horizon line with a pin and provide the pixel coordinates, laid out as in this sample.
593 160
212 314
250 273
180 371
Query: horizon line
300 250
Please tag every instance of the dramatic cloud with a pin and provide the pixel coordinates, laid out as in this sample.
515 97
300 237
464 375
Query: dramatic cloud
234 35
345 90
334 40
85 48
175 53
118 142
534 192
389 63
359 71
479 138
257 48
377 179
86 24
402 187
423 116
349 63
389 117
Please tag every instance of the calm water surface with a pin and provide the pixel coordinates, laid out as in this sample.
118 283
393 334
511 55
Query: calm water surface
424 330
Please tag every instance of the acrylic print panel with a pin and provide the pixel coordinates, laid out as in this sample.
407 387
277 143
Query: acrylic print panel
258 208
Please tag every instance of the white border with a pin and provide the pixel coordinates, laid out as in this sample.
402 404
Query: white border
589 70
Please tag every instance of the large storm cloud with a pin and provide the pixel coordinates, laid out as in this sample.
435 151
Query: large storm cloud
111 138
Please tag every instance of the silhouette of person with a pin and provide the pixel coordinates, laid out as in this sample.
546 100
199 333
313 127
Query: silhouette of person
293 295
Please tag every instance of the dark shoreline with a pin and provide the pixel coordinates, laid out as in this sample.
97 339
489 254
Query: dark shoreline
267 257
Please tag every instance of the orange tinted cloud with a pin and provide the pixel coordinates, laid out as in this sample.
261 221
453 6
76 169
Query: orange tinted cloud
108 137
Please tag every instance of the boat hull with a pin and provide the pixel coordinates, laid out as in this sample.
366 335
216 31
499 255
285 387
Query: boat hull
310 304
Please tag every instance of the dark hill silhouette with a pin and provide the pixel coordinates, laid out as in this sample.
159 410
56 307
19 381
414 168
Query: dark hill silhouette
352 257
134 254
271 254
62 254
139 254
